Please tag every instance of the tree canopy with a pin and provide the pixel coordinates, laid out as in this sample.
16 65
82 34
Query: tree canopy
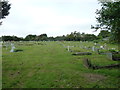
108 18
4 9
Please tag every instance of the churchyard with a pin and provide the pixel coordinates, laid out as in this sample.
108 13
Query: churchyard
60 64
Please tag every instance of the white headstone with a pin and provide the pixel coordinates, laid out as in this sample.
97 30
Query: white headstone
12 47
93 48
101 47
68 48
95 44
113 48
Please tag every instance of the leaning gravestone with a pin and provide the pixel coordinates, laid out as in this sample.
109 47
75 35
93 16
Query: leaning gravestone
12 47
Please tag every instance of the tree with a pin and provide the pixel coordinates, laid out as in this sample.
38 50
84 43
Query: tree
109 19
11 38
90 37
4 9
104 34
30 37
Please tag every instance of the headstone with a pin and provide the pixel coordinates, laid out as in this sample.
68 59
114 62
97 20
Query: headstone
101 47
113 48
12 47
95 44
93 48
109 55
68 48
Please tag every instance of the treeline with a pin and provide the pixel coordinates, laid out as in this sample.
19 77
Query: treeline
73 36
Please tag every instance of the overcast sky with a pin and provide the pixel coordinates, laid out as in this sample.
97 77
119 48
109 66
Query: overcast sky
53 17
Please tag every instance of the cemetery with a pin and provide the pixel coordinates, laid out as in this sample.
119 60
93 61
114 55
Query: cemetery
62 64
75 60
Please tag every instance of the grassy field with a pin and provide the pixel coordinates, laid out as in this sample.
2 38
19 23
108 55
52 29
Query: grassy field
50 65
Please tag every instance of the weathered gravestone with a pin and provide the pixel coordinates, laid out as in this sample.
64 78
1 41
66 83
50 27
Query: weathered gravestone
68 47
109 55
101 47
12 47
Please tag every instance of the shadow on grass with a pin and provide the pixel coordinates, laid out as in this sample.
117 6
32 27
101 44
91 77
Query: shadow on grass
18 50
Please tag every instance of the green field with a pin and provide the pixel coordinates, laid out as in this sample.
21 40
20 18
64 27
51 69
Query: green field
50 65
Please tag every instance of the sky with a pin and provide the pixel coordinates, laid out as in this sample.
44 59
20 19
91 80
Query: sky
53 17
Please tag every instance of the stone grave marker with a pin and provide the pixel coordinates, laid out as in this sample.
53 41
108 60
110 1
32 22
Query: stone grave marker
109 55
101 47
93 48
95 44
12 47
68 47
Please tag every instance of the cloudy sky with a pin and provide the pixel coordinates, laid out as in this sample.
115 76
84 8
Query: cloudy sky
53 17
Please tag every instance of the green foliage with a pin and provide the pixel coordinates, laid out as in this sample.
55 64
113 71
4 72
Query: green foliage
104 34
4 9
11 38
109 19
74 36
77 36
30 37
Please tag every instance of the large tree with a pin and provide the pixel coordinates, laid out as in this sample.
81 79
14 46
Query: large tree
108 18
4 9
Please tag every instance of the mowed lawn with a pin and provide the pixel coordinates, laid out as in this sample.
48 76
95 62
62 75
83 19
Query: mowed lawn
50 65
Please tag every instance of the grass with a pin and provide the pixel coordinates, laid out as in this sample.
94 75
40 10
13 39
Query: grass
50 65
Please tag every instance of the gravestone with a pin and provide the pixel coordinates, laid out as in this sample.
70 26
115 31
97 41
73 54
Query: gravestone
95 44
68 48
12 47
93 48
109 55
101 47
